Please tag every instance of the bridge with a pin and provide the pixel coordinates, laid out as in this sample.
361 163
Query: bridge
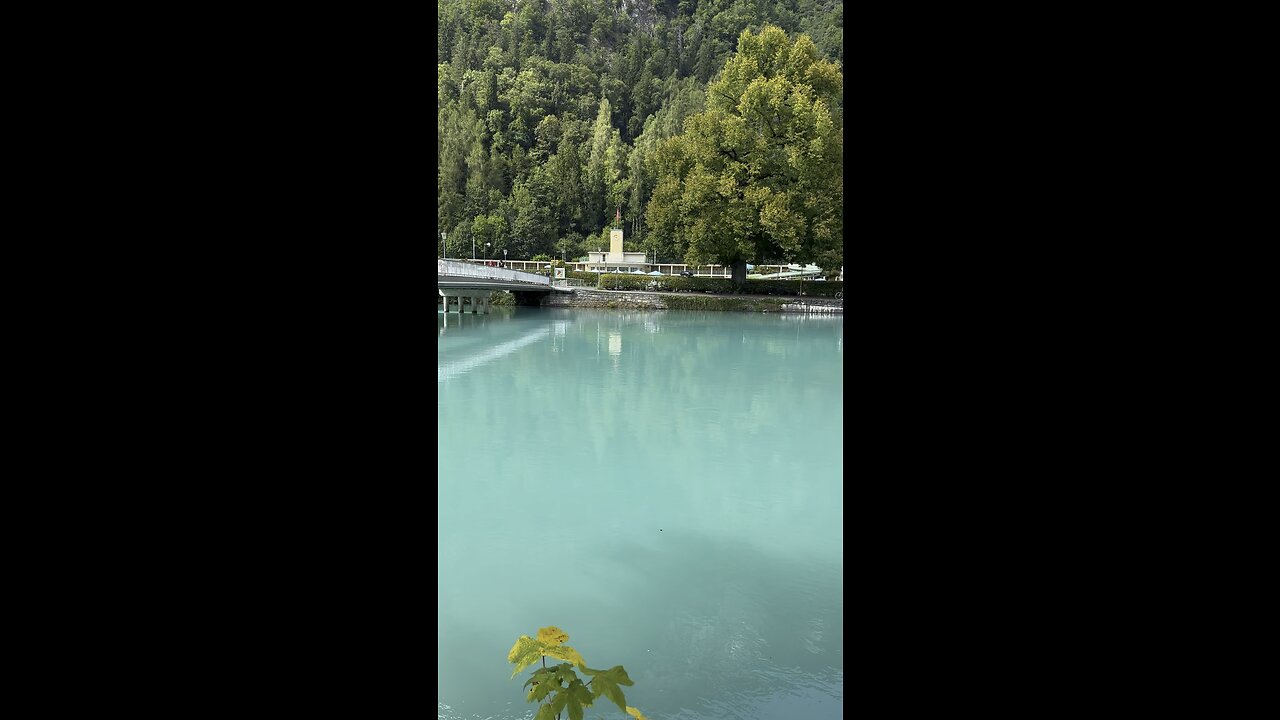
461 281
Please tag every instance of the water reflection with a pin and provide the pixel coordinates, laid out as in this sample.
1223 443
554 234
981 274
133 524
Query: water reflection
733 614
665 486
467 354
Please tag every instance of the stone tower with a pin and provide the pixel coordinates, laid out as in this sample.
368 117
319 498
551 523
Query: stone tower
615 235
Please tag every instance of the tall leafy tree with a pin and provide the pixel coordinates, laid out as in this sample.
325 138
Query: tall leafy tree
519 83
597 180
683 98
493 230
565 174
758 174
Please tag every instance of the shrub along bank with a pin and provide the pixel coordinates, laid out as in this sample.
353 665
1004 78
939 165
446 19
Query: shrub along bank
713 294
716 286
585 298
719 286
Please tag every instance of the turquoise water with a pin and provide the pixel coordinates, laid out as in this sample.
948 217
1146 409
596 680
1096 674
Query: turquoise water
664 486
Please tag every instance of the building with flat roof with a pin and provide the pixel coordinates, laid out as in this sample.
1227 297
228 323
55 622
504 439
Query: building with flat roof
616 260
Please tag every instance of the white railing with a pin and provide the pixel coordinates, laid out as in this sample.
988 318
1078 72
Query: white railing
462 269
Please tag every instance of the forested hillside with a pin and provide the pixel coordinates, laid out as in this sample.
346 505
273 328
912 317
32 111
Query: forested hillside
555 114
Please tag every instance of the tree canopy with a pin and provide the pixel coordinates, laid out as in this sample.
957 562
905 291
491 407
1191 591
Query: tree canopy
758 174
553 115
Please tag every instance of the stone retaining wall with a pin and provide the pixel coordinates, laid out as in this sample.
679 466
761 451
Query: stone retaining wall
584 298
631 300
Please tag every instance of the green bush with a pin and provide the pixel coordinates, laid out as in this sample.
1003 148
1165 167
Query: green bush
665 283
792 288
615 281
501 297
719 286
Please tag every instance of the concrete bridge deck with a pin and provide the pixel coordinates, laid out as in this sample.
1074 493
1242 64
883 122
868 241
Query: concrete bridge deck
456 281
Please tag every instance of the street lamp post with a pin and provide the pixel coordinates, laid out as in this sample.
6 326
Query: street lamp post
444 236
486 252
504 257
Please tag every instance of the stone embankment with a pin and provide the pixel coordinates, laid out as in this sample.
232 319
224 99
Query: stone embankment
633 300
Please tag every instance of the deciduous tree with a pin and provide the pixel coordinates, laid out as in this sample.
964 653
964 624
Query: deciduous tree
758 174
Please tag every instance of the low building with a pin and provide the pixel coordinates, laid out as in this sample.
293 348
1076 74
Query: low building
616 260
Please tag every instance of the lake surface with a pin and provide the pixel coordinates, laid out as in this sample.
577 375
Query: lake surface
664 486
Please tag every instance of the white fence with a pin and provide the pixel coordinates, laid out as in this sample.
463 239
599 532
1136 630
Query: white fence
462 269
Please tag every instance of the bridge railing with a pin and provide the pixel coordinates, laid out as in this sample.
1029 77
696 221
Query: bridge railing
462 269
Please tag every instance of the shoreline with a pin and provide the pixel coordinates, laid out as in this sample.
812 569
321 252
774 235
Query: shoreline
646 300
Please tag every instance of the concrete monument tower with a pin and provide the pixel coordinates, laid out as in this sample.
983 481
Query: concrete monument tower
616 260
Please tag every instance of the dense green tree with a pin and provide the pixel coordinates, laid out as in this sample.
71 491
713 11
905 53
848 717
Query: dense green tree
758 174
597 179
616 183
682 99
452 171
551 113
532 231
493 230
565 177
570 246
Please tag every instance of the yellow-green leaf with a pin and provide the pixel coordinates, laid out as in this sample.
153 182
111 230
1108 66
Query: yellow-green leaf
617 674
524 653
635 713
544 682
602 686
518 648
564 673
564 652
558 701
577 697
552 635
538 676
605 682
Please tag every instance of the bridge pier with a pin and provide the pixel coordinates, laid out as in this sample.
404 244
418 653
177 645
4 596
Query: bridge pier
478 304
